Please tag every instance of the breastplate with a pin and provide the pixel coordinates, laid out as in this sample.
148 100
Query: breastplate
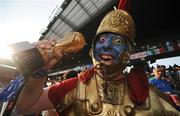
92 103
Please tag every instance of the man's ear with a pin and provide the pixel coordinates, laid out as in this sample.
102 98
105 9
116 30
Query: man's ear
125 57
91 52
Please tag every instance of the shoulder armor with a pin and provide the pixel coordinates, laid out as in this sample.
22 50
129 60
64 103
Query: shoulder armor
86 75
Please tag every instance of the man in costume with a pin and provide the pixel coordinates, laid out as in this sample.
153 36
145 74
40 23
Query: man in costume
105 89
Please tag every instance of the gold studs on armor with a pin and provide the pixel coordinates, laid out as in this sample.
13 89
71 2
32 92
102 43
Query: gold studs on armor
129 111
95 107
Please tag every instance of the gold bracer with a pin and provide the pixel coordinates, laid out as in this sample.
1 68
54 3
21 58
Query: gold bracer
119 22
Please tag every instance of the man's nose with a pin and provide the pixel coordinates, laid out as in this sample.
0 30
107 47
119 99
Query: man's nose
107 45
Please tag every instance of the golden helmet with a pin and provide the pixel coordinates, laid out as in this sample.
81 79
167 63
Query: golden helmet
119 22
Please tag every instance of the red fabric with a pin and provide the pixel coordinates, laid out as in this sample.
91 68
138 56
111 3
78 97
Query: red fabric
86 75
124 4
139 86
162 50
58 91
175 99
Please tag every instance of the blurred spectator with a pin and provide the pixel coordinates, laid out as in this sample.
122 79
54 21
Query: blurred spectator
166 87
70 74
161 83
170 72
6 76
176 77
152 68
163 71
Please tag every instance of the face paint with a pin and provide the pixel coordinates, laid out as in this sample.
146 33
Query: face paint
109 47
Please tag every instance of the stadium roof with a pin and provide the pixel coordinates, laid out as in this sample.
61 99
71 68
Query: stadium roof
73 15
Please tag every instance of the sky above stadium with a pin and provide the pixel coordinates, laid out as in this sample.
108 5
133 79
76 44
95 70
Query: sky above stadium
24 20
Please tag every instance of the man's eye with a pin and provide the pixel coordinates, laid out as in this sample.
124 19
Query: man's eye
102 39
118 41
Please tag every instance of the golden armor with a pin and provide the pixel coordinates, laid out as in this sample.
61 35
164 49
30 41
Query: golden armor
88 99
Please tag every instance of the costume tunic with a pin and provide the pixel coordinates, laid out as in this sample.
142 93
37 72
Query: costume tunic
84 96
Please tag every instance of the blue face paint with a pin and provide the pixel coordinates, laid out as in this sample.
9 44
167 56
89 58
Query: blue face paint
109 47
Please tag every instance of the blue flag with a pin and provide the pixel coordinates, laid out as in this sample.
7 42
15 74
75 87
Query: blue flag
10 90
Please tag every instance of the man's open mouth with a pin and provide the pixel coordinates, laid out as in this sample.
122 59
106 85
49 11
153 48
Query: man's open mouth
106 58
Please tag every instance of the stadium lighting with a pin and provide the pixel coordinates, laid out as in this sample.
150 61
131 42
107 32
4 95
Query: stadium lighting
5 52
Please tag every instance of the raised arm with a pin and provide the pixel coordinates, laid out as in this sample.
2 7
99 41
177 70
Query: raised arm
34 97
